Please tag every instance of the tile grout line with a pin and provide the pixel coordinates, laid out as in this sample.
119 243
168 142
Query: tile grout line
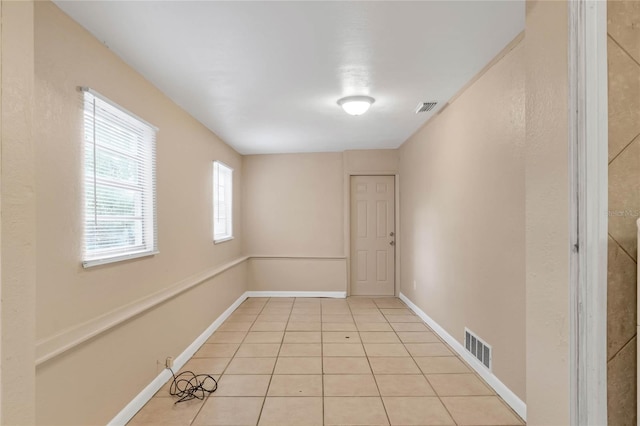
232 356
622 248
371 367
623 49
633 139
273 370
622 347
420 369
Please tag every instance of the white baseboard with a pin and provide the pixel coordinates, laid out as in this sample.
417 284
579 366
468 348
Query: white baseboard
330 294
127 413
501 389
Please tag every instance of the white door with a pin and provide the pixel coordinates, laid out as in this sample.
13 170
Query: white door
373 235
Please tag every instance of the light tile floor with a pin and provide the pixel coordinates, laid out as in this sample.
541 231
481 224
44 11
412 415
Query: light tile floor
355 361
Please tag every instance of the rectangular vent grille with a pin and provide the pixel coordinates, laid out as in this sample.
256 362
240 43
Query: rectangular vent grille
478 348
425 107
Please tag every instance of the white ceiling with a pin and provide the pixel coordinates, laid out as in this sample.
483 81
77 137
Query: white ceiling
265 76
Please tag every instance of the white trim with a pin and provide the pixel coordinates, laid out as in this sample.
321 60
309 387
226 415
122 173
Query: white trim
223 240
130 410
329 294
115 105
588 144
106 260
501 389
53 346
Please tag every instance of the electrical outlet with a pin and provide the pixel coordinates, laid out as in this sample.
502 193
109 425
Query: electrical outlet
169 362
414 284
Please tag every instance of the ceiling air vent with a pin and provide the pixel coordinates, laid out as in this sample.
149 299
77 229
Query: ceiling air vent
477 347
425 107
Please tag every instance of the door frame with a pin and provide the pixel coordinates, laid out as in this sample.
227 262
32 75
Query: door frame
347 222
588 148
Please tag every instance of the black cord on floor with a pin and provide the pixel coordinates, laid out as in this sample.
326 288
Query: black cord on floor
188 385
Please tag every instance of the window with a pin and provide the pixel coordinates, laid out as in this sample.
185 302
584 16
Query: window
222 202
119 183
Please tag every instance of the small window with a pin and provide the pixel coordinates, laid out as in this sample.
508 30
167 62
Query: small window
222 202
119 183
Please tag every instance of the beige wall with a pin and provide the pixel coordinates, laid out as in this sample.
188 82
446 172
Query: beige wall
119 363
624 203
547 213
462 214
17 225
293 204
295 216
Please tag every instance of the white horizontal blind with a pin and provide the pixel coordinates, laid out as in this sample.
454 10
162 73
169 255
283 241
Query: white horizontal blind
119 183
222 201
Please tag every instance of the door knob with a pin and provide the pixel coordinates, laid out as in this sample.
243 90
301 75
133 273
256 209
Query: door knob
391 234
392 243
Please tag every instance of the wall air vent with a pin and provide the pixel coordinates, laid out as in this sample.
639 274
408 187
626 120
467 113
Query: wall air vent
425 107
477 347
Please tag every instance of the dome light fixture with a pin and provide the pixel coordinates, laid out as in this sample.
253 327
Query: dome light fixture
356 105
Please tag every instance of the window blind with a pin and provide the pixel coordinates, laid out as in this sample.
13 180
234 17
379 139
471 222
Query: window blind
119 183
222 202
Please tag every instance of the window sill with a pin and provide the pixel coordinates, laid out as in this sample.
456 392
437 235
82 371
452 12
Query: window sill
222 240
97 262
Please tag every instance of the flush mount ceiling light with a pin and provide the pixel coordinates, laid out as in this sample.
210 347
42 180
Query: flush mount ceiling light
356 105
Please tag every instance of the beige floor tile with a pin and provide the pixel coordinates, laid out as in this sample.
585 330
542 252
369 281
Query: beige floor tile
340 337
293 411
305 317
350 385
394 365
272 318
183 383
373 326
299 365
410 326
404 385
235 317
303 326
385 349
396 311
206 365
227 337
458 385
338 326
346 365
264 337
251 366
217 350
342 349
480 410
403 318
336 317
354 411
269 326
296 385
416 410
258 350
164 411
428 349
276 311
235 326
441 364
230 411
248 310
313 312
242 385
301 349
418 337
389 303
302 337
370 318
379 337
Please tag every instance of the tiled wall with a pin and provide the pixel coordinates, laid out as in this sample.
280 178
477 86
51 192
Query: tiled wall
624 206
